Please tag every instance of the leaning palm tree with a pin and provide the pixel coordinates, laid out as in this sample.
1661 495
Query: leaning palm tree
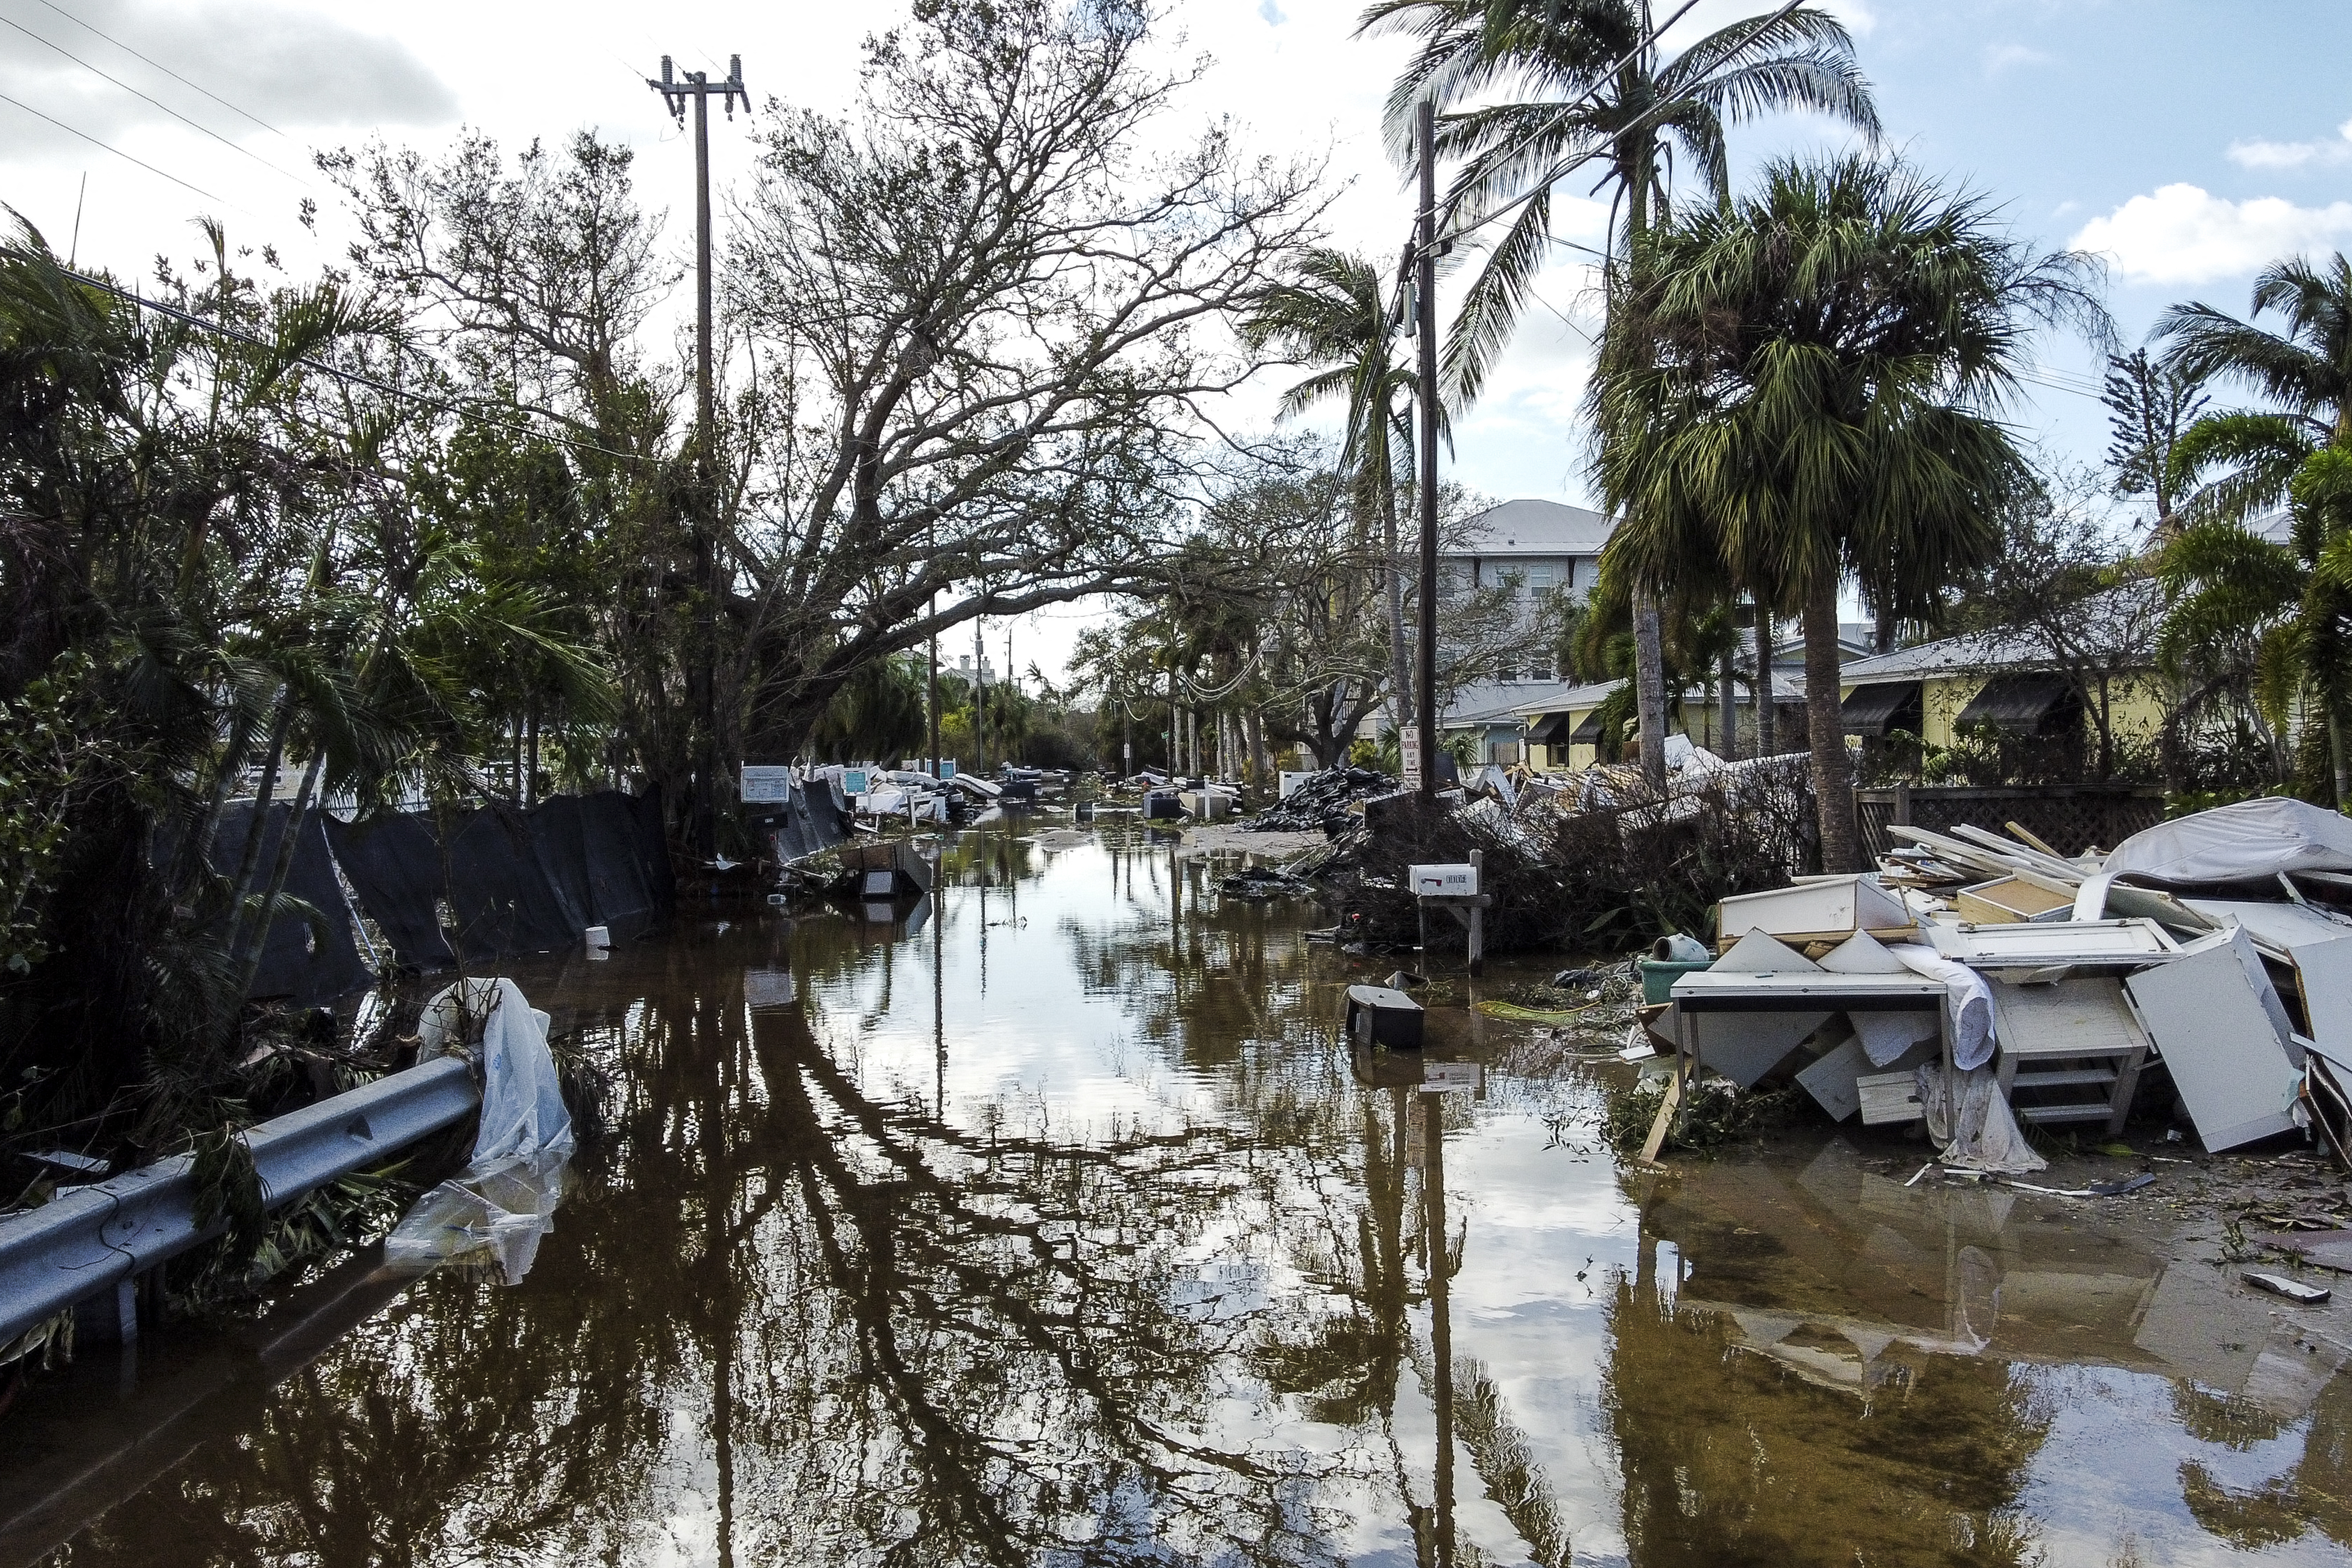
1559 85
1813 400
1332 315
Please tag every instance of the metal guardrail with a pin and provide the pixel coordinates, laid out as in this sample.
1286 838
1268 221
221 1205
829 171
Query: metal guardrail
100 1238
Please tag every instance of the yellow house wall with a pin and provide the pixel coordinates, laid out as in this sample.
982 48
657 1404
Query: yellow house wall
2135 708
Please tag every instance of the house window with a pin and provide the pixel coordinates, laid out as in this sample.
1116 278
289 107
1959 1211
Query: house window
1508 672
1539 670
1542 576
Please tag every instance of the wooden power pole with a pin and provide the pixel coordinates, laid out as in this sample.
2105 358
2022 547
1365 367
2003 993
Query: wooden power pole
1425 319
703 668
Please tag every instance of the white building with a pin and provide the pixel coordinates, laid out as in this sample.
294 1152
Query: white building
1540 546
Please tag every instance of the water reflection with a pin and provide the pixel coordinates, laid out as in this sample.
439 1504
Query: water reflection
1049 1222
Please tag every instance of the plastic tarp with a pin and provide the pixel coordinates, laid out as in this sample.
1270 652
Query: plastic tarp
496 1211
307 956
1970 1121
2246 841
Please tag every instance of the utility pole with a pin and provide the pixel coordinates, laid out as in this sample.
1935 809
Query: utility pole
702 672
979 699
931 702
1424 313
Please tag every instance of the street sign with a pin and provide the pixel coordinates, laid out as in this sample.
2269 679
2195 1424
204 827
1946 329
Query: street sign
1409 738
766 786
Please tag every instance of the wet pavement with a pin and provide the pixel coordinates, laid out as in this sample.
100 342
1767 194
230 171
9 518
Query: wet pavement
1047 1222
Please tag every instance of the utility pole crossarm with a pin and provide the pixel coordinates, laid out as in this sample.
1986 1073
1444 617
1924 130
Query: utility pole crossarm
702 674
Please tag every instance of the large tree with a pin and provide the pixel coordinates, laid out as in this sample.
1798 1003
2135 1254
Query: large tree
982 318
1816 398
1539 93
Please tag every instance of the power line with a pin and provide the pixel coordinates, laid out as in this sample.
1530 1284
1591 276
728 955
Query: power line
444 405
120 152
167 70
166 108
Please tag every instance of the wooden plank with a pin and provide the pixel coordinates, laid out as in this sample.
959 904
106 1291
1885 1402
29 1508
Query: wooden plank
2009 901
1667 1108
1889 1097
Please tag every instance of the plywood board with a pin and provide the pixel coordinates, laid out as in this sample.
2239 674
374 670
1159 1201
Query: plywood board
1831 1080
1862 953
1744 1047
2227 1057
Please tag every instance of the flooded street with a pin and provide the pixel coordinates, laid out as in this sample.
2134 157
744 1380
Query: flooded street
1049 1222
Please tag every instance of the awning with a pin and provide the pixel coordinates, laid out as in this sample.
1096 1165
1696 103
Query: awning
1877 709
1550 730
2023 704
1587 734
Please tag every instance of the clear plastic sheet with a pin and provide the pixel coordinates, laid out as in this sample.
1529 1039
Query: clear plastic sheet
494 1212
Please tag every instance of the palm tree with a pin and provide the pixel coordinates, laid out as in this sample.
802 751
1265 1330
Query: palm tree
1585 80
2300 640
1813 400
1332 315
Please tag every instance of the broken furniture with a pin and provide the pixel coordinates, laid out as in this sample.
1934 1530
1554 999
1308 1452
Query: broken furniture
1811 992
2014 898
884 868
1816 908
1380 1016
2077 1034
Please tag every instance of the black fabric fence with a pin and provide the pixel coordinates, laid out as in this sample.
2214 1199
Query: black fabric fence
509 881
309 955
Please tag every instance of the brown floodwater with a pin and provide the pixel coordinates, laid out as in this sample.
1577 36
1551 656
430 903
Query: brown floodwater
1048 1222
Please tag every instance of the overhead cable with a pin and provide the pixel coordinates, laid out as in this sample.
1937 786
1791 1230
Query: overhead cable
167 70
464 406
119 152
157 102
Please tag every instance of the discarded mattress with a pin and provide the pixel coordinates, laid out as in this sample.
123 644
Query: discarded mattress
2244 841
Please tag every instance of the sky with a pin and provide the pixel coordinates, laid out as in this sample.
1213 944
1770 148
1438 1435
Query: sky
2188 142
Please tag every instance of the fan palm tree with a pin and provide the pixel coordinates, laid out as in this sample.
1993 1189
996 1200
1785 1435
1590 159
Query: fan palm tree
1332 315
2295 618
1562 84
1814 399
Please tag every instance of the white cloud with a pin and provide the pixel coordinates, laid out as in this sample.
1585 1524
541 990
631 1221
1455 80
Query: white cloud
2000 58
2294 155
2182 235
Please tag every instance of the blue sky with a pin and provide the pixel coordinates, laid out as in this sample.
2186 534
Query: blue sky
2192 141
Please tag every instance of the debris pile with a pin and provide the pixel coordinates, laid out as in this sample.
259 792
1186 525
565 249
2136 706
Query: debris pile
1325 801
1978 981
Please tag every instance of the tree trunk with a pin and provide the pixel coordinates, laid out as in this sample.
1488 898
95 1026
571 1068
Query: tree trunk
1257 750
1727 672
1650 686
1767 726
1824 733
